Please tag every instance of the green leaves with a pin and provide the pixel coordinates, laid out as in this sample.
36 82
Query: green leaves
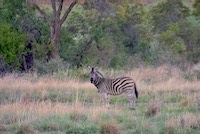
12 11
105 32
196 7
11 43
166 13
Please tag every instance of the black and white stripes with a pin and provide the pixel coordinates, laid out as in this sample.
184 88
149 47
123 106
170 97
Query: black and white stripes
114 86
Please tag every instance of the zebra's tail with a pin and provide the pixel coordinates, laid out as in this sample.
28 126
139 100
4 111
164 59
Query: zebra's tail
136 91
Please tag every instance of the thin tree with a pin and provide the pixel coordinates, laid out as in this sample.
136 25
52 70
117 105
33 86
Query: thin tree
55 23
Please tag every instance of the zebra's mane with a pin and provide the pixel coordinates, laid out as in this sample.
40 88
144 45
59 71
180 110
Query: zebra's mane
99 74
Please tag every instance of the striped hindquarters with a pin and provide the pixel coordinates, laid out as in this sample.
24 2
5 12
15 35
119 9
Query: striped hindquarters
119 85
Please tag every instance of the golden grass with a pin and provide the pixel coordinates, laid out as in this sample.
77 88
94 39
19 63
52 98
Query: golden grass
13 82
186 121
21 112
164 80
151 79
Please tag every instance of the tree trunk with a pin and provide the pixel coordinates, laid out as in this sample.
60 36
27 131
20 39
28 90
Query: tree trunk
55 37
55 24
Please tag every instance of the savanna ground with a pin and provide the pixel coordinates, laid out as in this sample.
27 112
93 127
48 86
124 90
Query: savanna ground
169 102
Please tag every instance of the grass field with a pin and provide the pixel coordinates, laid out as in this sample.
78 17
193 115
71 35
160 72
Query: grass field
169 102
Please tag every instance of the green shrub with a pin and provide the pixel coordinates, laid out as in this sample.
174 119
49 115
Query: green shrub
110 127
12 43
26 129
50 67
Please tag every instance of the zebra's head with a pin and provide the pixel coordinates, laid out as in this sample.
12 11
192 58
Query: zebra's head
94 74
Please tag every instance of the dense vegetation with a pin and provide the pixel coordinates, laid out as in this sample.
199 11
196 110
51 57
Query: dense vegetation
107 34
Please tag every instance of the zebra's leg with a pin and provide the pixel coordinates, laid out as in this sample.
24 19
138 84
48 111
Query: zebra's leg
131 100
107 99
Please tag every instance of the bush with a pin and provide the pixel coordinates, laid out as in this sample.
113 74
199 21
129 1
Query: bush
153 108
110 127
12 43
4 67
26 129
50 67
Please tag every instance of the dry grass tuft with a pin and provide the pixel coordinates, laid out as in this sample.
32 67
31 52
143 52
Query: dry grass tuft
110 127
187 121
153 108
189 102
26 129
5 128
170 126
77 116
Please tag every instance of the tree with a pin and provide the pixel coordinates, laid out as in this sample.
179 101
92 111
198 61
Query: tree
107 33
55 23
168 12
190 33
135 26
168 47
196 6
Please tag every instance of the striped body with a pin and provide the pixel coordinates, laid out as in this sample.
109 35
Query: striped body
114 87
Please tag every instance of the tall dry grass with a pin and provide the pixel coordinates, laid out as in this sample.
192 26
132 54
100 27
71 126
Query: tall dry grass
160 78
14 82
20 112
187 121
149 81
163 90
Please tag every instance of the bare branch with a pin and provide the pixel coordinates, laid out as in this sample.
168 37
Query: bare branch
60 6
27 2
53 4
68 11
43 14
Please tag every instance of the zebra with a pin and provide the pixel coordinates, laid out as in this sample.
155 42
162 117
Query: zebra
116 86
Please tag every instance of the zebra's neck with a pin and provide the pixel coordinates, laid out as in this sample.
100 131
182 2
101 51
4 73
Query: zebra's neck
98 81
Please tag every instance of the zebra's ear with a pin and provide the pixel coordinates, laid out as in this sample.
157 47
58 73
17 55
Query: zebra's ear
89 67
96 68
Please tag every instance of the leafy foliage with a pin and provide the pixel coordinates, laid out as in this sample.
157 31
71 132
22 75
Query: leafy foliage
190 33
110 34
13 16
12 45
196 6
170 38
168 12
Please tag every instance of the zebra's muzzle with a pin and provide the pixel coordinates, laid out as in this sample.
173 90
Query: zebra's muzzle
91 80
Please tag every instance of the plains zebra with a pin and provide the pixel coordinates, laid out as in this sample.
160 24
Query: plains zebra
114 87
